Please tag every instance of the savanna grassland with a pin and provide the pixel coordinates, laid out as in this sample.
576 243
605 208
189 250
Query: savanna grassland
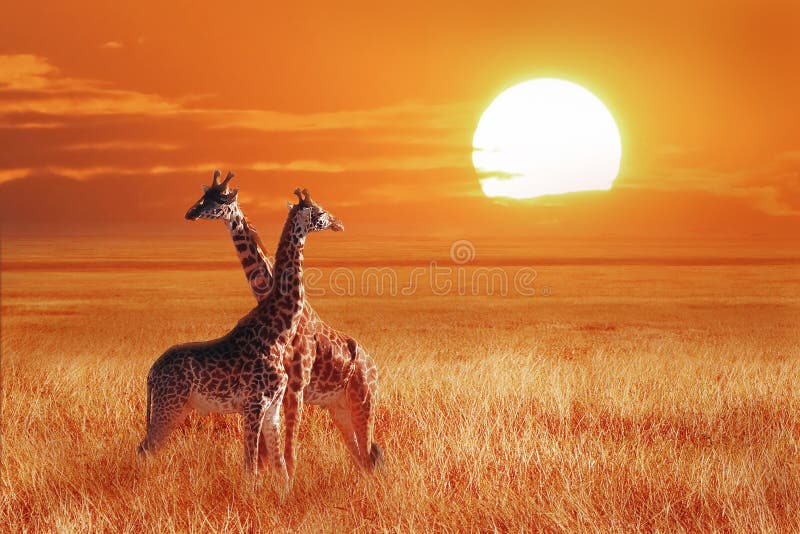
634 396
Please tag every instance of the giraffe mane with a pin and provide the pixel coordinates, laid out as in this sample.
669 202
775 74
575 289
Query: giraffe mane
256 236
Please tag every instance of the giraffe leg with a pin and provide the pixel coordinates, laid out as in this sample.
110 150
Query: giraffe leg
169 409
361 402
253 418
263 459
341 419
271 436
293 415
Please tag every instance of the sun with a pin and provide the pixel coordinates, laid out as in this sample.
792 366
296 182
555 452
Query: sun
546 137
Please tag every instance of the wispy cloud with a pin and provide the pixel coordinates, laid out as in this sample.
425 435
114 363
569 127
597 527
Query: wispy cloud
770 184
31 125
113 45
30 83
367 164
87 173
423 116
121 145
89 128
84 173
25 72
100 132
13 174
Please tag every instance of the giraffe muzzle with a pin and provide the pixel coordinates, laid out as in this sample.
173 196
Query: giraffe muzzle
336 225
193 213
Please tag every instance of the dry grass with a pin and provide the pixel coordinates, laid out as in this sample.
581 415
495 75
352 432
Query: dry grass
633 398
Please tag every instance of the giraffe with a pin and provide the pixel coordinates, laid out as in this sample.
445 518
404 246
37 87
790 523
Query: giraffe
242 371
326 368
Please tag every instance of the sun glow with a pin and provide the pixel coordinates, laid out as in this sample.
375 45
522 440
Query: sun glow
545 137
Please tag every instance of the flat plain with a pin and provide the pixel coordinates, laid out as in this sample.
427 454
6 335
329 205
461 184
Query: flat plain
652 393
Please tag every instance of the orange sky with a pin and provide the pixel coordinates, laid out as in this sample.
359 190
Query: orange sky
111 117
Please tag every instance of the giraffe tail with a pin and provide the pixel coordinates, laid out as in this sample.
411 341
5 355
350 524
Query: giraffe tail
142 446
376 455
149 399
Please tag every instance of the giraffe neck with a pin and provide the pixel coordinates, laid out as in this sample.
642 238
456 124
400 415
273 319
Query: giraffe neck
287 290
251 252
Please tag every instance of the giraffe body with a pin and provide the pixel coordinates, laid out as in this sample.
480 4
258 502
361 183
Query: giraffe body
205 377
242 371
326 367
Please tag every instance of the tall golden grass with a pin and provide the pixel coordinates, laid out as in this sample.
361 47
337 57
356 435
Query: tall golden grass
632 398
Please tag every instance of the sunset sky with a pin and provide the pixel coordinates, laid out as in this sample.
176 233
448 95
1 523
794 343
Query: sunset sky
112 116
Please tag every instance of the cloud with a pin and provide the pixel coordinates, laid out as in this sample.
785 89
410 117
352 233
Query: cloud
30 84
367 164
85 173
112 45
121 145
13 174
85 130
767 199
422 116
88 173
306 166
25 72
770 184
31 125
35 95
398 202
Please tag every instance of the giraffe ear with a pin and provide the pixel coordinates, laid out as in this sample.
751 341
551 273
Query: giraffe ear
289 206
205 188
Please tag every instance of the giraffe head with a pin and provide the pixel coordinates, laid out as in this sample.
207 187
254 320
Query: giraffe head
217 202
310 216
